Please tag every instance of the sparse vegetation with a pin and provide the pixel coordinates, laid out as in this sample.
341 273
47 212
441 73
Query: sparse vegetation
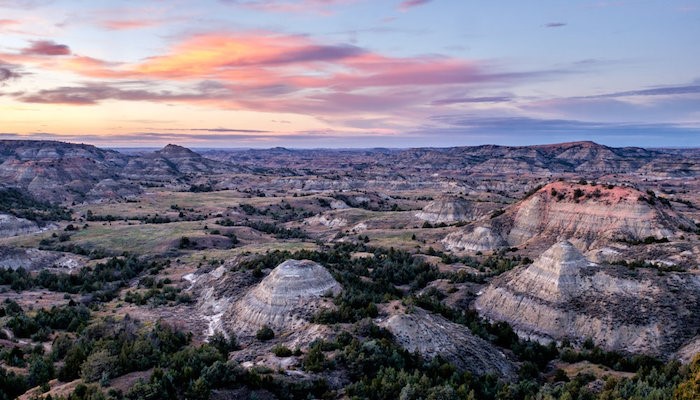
21 204
265 333
78 323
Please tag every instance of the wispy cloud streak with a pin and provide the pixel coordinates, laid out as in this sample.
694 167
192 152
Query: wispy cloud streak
408 4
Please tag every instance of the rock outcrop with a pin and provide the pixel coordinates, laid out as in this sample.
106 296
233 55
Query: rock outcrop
449 209
35 259
328 221
285 299
432 335
563 295
592 215
477 238
14 226
56 171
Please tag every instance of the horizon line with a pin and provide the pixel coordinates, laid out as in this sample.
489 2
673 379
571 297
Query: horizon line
243 148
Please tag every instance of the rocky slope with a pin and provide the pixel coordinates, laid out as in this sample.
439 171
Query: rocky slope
63 171
35 259
461 169
171 163
563 295
57 171
433 335
593 215
285 299
474 238
13 226
449 209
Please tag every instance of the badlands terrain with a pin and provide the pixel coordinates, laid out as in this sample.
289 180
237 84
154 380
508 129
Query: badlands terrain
542 272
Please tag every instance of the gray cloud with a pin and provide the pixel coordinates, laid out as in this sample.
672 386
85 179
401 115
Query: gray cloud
8 72
659 91
230 130
517 125
93 93
47 48
492 99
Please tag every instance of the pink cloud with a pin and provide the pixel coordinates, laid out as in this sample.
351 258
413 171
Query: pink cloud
263 71
8 22
406 4
292 6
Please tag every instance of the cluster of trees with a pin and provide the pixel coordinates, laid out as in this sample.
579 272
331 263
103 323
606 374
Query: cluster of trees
58 242
534 356
646 240
168 295
102 281
611 359
378 278
376 366
282 212
110 348
21 204
428 225
387 269
379 205
201 188
40 326
278 231
633 264
147 219
379 369
71 318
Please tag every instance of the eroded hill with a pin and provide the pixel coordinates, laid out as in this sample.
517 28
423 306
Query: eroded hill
562 295
594 216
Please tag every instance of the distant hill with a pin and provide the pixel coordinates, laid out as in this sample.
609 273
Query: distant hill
58 171
574 157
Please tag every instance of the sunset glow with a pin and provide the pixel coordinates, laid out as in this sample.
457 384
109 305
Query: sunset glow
349 73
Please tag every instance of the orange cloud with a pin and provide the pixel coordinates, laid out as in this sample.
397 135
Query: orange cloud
262 71
126 24
237 56
267 60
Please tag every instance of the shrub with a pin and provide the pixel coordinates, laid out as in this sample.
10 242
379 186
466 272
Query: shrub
97 365
315 360
185 242
265 333
223 344
281 351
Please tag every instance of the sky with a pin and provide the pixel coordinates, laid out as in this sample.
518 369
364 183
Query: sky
350 73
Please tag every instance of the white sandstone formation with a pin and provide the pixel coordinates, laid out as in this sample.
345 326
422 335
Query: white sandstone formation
285 299
448 209
563 295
